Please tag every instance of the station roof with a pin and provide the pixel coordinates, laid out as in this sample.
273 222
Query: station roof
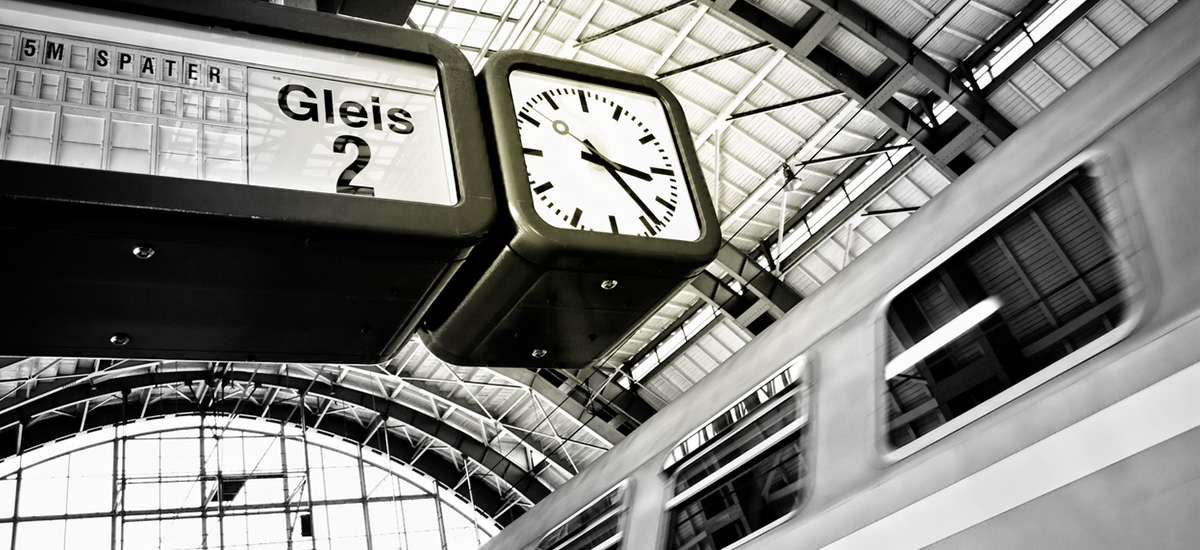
821 126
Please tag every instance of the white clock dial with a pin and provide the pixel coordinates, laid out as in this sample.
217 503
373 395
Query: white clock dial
601 159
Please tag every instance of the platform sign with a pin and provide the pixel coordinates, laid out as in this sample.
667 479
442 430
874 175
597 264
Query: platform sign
97 91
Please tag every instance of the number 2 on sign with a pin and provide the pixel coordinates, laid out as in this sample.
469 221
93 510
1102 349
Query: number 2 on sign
344 184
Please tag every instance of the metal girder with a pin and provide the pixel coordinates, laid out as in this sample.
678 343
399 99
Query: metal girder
394 12
520 479
570 47
942 144
739 98
523 380
666 333
680 36
715 291
632 22
762 283
783 104
811 147
903 52
486 497
711 60
1037 48
871 193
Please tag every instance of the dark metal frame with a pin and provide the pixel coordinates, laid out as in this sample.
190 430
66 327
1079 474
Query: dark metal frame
466 221
119 205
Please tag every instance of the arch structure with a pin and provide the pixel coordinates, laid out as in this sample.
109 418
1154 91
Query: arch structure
502 443
201 481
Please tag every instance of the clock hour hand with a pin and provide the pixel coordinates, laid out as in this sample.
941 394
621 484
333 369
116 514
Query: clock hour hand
612 172
596 158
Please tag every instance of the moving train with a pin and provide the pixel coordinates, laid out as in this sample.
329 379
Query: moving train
1016 367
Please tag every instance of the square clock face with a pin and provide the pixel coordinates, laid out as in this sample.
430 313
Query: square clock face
602 158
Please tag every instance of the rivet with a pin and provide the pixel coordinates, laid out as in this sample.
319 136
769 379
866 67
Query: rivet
119 339
539 353
608 284
143 252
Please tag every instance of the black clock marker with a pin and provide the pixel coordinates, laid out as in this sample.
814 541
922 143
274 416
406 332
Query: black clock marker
529 119
649 227
531 152
582 101
661 171
617 113
543 188
553 105
612 221
663 202
647 139
575 217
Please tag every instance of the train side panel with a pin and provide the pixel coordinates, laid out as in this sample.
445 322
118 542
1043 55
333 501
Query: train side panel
1142 110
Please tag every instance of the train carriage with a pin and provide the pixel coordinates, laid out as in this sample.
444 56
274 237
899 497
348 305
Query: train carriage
1017 366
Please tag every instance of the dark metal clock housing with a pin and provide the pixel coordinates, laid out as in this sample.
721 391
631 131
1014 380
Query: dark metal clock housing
537 294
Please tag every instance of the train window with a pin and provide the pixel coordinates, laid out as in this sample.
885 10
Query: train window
1042 286
597 527
747 471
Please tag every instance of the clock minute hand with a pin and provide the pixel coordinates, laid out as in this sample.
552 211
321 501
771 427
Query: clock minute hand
597 159
612 172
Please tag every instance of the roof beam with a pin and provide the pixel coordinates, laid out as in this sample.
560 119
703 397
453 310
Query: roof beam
762 283
1040 45
680 36
903 52
943 144
1004 33
464 443
870 194
631 22
571 46
781 105
713 59
741 96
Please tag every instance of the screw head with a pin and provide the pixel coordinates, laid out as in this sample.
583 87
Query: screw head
539 353
608 284
119 339
143 252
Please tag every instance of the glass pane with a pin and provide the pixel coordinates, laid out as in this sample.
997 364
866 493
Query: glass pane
41 534
765 490
8 497
44 489
751 477
88 534
597 522
1041 284
90 493
733 448
421 518
777 385
162 496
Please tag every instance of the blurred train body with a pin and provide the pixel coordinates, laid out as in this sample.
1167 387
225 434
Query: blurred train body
1098 449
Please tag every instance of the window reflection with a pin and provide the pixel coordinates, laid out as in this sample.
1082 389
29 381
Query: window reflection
1042 284
750 473
596 527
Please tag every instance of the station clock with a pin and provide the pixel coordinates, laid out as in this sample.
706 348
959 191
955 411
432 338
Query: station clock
606 217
